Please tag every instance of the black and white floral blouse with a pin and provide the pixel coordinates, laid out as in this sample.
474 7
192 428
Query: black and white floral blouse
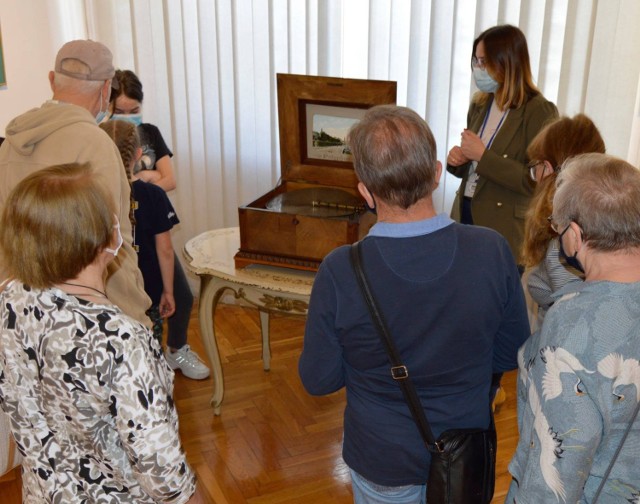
89 396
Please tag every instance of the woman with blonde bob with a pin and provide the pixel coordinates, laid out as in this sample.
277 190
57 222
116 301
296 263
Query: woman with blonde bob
579 377
85 386
557 142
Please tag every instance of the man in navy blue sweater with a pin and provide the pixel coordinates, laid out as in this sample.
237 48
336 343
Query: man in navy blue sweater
451 296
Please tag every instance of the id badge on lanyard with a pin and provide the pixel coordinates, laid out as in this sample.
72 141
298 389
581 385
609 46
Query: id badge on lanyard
472 179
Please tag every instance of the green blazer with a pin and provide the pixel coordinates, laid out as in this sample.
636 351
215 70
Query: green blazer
504 187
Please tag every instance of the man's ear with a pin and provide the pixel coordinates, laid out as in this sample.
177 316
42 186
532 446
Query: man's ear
106 91
577 239
438 173
366 194
52 76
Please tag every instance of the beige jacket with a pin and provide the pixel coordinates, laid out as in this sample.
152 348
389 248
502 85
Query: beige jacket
58 133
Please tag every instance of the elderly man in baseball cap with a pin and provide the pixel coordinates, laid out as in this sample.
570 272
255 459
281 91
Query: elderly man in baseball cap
65 130
94 59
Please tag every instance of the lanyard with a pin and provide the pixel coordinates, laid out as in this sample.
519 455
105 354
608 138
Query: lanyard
484 124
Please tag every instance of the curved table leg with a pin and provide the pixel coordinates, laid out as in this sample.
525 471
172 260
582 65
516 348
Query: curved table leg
210 293
266 349
211 290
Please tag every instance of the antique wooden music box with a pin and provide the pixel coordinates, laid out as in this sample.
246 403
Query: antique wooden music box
316 207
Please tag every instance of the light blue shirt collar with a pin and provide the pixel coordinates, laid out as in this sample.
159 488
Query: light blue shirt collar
410 229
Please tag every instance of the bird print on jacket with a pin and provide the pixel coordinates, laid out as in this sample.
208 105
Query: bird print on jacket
578 386
622 371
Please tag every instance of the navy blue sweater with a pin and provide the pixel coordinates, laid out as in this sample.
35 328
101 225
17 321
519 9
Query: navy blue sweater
454 305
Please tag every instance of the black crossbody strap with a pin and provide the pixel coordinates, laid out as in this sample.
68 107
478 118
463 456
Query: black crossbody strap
399 371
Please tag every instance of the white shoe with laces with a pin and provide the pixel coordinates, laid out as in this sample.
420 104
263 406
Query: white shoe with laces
187 361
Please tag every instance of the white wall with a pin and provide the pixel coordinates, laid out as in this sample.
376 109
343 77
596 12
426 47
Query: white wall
28 56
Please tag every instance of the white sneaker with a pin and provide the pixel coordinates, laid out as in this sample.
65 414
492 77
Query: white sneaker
187 361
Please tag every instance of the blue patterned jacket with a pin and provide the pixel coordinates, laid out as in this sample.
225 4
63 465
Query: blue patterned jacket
578 385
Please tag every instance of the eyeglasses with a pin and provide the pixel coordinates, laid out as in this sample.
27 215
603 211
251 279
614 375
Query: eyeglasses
533 168
478 63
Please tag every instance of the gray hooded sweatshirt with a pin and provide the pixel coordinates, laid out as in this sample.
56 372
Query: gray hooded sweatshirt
59 133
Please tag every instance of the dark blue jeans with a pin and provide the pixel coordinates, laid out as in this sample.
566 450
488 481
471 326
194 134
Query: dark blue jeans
466 217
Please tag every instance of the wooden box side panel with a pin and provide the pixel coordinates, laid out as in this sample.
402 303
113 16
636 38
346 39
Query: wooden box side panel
297 236
267 232
291 235
315 238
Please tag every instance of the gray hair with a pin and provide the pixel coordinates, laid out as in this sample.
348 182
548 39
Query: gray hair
394 154
600 193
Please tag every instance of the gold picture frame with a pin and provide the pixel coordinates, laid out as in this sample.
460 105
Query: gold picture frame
324 127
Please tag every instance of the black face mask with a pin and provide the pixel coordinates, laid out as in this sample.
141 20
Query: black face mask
571 260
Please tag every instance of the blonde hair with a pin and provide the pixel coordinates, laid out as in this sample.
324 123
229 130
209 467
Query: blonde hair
54 224
555 143
125 135
507 61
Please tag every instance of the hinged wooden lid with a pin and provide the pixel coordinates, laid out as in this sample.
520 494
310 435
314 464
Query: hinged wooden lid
301 100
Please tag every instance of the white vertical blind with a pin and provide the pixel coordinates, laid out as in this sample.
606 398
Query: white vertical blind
208 68
443 52
356 54
614 66
634 146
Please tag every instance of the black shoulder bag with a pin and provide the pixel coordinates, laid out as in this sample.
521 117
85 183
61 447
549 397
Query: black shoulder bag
463 461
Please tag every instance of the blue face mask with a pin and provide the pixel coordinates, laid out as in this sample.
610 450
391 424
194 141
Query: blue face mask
484 81
135 119
102 113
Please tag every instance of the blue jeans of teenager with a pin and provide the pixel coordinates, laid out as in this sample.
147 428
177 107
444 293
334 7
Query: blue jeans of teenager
178 323
367 492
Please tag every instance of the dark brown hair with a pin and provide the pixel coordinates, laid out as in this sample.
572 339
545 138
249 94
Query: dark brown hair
128 84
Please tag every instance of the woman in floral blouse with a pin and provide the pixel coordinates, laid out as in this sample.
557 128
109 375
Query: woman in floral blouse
85 386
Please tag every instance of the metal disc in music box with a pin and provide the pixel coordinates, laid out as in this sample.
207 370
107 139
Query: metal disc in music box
317 202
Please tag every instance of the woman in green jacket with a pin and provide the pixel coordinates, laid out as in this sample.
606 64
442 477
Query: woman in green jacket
504 116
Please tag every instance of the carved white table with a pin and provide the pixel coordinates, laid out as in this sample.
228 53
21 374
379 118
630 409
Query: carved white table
267 288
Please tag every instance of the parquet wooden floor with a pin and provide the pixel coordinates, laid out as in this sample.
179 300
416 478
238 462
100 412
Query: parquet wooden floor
273 443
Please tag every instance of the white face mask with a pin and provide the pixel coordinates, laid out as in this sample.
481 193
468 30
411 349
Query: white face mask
120 241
